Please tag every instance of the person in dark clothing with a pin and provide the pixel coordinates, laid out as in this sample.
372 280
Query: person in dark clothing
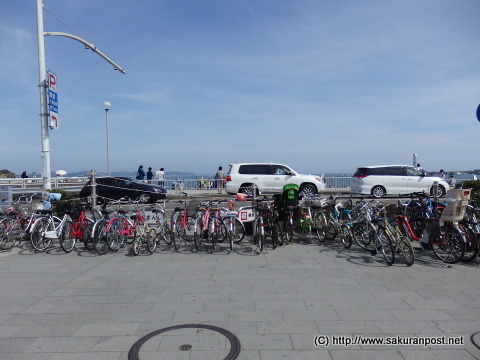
140 173
149 175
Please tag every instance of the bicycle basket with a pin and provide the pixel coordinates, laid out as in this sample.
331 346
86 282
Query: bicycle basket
192 207
393 210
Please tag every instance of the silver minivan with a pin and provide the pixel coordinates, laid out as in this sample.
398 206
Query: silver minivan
382 180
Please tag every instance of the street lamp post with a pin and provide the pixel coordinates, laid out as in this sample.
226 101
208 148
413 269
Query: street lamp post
46 172
107 106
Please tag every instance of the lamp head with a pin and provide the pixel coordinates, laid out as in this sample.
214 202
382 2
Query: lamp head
107 105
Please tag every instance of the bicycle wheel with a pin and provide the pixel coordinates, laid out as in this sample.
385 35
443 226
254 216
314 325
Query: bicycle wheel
471 248
346 236
280 240
406 250
239 233
39 241
8 227
136 244
115 234
364 235
332 230
448 247
151 240
320 221
165 233
259 236
87 237
67 240
275 232
100 237
198 234
385 245
215 233
222 234
288 230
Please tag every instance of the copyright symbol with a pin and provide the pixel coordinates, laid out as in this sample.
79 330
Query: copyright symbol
321 340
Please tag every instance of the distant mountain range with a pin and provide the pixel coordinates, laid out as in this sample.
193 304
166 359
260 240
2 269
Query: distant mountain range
131 174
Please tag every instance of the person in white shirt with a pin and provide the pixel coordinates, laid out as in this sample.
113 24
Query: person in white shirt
160 177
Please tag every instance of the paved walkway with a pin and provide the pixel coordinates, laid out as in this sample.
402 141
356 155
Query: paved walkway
83 306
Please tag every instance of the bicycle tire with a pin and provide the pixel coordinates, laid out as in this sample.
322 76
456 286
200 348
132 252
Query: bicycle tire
471 243
198 234
332 230
37 236
448 247
239 231
100 237
406 250
364 235
165 234
115 238
274 235
136 244
288 230
67 241
7 233
87 236
346 236
280 240
151 240
320 221
386 245
259 234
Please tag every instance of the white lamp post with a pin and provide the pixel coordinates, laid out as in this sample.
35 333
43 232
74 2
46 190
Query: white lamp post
107 106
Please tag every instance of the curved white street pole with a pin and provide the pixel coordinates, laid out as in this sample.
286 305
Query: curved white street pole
46 171
42 84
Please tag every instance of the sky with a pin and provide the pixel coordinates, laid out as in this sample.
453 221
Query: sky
323 86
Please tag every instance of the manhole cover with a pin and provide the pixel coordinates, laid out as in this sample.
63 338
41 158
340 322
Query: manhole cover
234 342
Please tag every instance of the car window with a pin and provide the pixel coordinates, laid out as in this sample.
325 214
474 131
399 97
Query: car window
395 171
256 169
246 169
281 170
415 172
369 171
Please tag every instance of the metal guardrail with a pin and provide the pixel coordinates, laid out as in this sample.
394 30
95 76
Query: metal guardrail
76 183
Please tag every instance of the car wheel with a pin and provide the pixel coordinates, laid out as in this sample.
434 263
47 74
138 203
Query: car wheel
378 191
308 190
145 198
248 189
441 191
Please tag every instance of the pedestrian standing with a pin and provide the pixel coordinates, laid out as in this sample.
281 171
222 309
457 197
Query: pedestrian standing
140 173
149 175
160 177
24 175
219 176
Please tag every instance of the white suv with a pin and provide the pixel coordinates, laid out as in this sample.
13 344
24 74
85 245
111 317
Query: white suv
394 180
269 178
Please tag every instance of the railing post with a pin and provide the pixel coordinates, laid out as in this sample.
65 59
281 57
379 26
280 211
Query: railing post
93 184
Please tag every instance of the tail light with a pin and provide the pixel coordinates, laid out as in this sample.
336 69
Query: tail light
228 178
360 176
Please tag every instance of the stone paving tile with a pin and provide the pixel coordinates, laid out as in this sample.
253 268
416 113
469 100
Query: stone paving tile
286 327
23 356
265 341
62 344
295 354
15 345
111 355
